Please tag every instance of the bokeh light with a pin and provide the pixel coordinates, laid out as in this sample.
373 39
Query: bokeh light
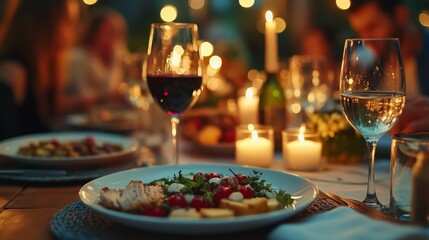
206 49
252 74
196 4
246 3
89 2
168 13
343 4
424 19
215 62
296 108
280 24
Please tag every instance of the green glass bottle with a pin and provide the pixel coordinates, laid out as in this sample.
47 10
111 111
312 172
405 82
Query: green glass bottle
272 106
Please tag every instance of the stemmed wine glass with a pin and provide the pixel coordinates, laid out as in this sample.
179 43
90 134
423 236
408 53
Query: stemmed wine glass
173 71
308 86
372 88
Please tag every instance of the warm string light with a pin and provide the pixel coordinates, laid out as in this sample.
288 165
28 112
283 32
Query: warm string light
215 62
90 2
246 3
424 19
168 13
196 4
343 4
206 49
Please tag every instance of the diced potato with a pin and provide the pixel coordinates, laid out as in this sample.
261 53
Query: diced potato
185 213
216 213
257 205
239 208
273 205
40 152
246 207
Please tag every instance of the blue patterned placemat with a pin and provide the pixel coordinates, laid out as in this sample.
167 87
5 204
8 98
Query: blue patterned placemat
77 221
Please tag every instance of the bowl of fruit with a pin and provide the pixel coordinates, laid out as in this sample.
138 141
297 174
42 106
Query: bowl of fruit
210 131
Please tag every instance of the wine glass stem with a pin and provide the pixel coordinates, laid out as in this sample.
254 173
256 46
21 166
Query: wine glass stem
174 128
371 197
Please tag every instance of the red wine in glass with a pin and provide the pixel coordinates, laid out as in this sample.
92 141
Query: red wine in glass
174 93
173 71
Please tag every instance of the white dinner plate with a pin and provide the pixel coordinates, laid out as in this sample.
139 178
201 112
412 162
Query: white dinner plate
9 149
302 190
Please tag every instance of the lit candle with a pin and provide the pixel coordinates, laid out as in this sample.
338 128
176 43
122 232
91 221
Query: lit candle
248 107
271 48
303 155
255 150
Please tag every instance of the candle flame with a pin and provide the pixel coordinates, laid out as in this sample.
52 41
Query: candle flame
250 127
301 134
269 16
254 136
250 93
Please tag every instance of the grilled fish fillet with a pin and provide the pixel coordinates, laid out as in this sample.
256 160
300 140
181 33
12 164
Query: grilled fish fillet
135 196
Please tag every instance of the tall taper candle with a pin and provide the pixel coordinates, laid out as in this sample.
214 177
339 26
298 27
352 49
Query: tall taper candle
271 47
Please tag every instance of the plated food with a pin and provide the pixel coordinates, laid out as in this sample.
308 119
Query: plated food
68 149
209 127
76 148
302 191
200 195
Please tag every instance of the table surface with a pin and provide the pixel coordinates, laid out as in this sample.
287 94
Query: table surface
27 209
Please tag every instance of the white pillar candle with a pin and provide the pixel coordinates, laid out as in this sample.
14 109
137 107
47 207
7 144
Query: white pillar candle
248 107
255 151
271 47
303 155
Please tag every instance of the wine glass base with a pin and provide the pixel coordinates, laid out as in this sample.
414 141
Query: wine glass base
373 202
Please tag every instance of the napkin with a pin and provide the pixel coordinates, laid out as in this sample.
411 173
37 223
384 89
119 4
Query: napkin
345 223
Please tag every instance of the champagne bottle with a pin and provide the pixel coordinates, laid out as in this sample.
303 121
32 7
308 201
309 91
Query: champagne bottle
272 107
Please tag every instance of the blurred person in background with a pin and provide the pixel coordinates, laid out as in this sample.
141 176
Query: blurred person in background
391 18
33 56
96 68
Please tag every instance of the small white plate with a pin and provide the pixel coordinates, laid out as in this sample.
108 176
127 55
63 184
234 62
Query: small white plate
9 149
302 190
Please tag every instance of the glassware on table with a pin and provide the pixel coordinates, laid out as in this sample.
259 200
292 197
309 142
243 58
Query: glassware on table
173 71
308 87
133 87
403 169
372 88
151 130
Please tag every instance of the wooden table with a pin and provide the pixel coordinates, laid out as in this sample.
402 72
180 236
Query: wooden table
26 211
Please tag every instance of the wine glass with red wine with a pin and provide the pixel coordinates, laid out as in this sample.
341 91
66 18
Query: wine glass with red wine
173 71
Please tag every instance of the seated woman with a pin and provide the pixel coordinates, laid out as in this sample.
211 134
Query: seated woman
96 68
32 60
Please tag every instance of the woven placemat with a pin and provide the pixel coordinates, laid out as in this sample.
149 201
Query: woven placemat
77 221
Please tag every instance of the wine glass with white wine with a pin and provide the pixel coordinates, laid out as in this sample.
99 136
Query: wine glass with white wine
372 88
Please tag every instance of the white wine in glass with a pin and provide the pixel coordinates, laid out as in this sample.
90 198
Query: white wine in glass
372 88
